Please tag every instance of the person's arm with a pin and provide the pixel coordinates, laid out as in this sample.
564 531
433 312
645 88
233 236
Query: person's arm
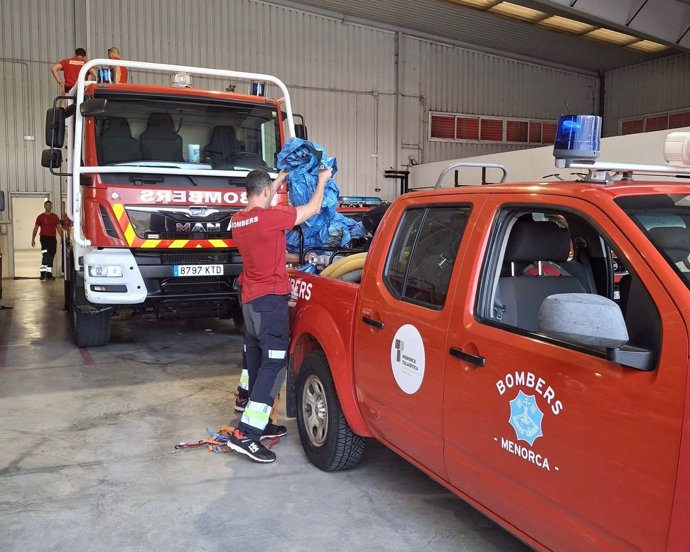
307 211
291 258
33 236
55 69
277 183
118 73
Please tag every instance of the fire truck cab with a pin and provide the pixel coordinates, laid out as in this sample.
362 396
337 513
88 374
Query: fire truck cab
154 174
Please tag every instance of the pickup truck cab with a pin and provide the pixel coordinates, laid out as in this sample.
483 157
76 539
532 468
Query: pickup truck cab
486 344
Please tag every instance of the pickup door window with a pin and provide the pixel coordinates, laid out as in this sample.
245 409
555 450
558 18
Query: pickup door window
401 330
575 449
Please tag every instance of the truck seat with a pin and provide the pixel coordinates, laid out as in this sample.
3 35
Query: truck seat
223 143
160 141
115 143
519 296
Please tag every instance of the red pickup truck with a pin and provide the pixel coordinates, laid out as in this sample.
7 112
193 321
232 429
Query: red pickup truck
485 344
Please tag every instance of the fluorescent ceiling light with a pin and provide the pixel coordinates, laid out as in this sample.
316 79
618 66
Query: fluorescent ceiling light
612 37
558 23
518 12
648 46
475 3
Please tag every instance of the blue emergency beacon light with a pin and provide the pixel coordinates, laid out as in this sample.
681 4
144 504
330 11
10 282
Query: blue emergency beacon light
578 139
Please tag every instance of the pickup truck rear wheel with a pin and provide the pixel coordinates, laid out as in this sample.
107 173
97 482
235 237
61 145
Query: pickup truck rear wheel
326 437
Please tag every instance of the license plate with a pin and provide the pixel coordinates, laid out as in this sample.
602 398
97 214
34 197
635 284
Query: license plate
198 270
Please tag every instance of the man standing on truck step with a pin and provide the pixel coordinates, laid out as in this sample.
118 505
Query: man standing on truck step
259 233
70 68
49 224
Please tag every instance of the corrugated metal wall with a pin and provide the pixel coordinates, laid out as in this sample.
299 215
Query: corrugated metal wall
33 33
332 69
458 80
343 77
653 87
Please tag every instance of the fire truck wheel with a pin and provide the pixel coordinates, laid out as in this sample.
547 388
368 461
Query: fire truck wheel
326 437
89 330
238 320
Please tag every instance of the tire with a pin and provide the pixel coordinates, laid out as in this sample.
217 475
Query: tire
326 437
237 319
89 330
69 277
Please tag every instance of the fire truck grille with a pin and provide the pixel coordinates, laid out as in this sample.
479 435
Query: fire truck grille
196 257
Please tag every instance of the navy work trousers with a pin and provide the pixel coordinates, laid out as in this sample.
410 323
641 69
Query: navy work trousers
266 335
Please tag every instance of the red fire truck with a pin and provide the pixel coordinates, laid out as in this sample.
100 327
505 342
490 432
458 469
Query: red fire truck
484 342
154 173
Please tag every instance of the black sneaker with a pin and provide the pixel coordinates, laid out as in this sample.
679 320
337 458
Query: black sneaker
49 276
241 399
239 442
271 431
43 275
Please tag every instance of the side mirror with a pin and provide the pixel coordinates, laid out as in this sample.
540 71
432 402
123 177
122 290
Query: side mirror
584 319
2 201
301 131
55 127
51 158
592 321
93 107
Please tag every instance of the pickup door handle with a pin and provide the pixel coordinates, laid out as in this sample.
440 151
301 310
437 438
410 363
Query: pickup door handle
472 359
372 322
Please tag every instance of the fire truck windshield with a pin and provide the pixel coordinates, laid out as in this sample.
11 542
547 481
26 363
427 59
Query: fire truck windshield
187 133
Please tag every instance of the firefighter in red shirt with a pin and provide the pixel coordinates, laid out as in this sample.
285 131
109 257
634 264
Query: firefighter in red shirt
259 232
120 74
49 224
70 68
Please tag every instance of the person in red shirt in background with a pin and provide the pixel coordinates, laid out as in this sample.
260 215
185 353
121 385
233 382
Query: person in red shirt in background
120 74
49 224
70 68
259 233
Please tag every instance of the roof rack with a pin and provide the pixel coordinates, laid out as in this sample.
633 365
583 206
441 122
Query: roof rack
601 172
458 164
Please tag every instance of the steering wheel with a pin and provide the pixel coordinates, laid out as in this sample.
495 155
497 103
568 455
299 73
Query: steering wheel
256 159
242 154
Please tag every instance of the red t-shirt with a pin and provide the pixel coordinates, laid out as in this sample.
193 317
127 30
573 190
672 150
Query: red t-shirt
260 236
123 74
71 68
47 224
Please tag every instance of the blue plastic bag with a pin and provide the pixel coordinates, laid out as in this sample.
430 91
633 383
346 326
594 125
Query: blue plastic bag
304 160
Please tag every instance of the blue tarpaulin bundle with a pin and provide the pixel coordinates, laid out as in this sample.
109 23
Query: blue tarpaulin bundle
304 160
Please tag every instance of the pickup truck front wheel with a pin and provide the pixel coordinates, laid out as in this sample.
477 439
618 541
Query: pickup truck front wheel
326 437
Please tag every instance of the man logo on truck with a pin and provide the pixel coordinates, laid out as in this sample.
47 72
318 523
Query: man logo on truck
198 227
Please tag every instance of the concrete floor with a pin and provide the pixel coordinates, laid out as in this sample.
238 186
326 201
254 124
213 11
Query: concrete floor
87 458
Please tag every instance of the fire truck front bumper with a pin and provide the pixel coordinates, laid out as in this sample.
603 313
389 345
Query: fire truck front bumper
124 277
112 277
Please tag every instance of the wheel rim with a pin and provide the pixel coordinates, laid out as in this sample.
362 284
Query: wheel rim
315 411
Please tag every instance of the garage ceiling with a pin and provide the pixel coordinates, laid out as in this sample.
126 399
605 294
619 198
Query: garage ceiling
488 25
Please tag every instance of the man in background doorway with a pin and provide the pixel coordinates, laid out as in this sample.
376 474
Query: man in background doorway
49 224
